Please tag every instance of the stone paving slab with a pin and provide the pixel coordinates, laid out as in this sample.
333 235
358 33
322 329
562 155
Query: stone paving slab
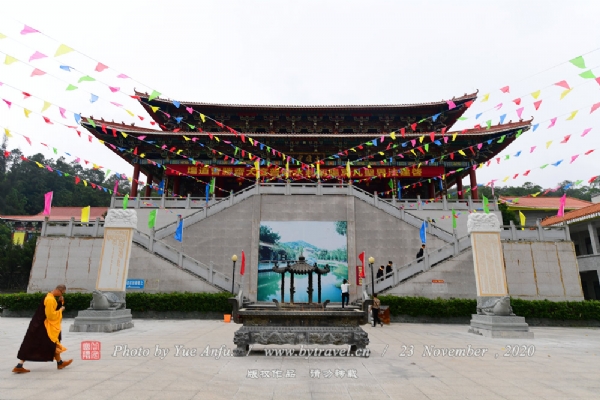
563 366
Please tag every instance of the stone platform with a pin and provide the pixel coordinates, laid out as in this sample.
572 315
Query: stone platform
494 326
102 321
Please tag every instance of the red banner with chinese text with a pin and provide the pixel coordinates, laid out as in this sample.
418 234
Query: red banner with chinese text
297 173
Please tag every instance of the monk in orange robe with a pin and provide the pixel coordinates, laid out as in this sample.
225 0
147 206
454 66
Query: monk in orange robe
42 340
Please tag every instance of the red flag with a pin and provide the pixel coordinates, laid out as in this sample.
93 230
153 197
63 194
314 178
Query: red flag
361 257
243 267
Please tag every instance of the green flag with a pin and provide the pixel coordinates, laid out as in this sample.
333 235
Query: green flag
152 219
453 219
578 62
212 186
153 95
587 75
125 201
486 209
391 183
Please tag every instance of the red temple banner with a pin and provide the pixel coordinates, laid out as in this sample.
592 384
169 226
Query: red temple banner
297 173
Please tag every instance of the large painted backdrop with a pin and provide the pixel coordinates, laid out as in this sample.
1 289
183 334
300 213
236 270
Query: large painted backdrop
323 242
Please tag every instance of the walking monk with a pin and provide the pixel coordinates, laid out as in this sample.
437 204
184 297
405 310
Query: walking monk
42 340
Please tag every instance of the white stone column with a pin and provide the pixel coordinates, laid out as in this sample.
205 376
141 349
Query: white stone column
593 238
116 250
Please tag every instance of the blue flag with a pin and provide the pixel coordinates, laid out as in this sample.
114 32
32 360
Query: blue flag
179 231
441 186
161 187
423 233
207 192
399 190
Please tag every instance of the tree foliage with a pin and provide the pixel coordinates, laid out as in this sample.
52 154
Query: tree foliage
24 184
15 261
268 236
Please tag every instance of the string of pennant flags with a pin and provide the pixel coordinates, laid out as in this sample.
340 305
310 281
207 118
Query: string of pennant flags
38 55
63 50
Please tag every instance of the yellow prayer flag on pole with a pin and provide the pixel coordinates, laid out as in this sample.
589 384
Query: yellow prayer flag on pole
287 169
85 214
522 219
318 170
18 238
348 169
257 166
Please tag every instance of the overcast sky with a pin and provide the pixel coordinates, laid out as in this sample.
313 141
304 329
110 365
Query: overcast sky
312 52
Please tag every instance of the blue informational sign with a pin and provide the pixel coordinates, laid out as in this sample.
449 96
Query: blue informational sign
134 284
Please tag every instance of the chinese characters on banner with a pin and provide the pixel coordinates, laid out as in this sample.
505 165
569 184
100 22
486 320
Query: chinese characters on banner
298 173
358 275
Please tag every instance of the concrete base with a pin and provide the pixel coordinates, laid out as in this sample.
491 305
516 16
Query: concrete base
509 327
102 321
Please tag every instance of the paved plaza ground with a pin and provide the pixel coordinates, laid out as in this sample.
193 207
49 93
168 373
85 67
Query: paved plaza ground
565 365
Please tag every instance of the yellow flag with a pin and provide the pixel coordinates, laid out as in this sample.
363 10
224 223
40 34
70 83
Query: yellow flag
62 49
421 139
203 117
257 166
348 169
287 169
381 152
39 165
154 108
7 132
536 94
186 138
566 92
318 170
85 213
18 238
100 141
9 60
413 151
522 218
462 153
393 135
573 114
46 106
130 113
124 134
3 36
505 179
454 136
27 112
548 144
251 141
486 97
535 194
85 183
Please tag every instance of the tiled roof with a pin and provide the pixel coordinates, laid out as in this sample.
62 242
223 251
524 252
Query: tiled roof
589 212
469 132
467 97
58 214
543 203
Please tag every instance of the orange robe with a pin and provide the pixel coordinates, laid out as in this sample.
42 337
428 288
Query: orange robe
53 321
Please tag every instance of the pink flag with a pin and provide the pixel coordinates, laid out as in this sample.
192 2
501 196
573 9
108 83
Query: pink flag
116 186
28 29
537 104
47 203
499 106
116 104
586 131
8 103
101 67
552 122
37 72
563 84
532 149
114 89
566 139
595 107
190 110
573 158
520 111
36 56
451 105
505 89
62 112
561 209
123 76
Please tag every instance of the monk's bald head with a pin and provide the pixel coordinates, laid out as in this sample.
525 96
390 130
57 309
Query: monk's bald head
62 288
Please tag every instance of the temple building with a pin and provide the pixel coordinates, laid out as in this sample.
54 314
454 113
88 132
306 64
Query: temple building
200 141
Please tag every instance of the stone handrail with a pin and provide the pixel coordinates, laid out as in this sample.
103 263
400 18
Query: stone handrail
177 257
72 228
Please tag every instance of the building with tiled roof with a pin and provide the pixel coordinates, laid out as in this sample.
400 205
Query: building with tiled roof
181 151
584 228
539 207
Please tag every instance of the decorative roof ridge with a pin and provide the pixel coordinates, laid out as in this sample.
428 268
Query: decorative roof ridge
466 96
581 213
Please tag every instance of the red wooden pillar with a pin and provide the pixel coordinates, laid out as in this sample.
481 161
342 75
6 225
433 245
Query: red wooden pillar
431 190
148 191
473 179
134 181
459 187
176 182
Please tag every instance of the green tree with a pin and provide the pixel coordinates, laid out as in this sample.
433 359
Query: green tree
341 227
267 235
